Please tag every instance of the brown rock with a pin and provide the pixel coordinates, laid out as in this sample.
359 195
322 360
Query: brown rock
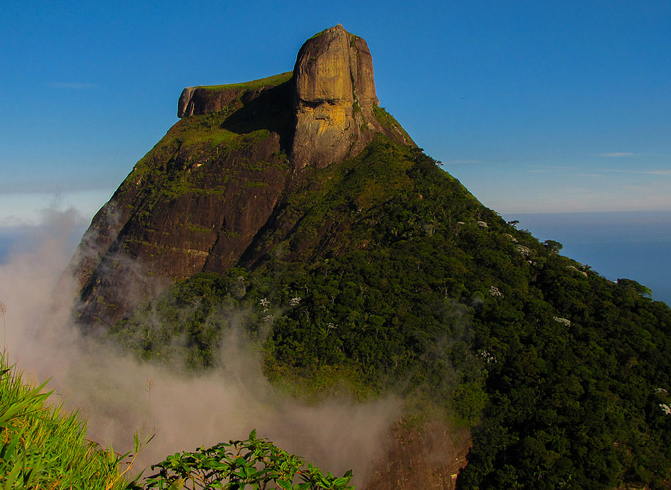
185 208
196 101
335 96
205 193
427 456
334 100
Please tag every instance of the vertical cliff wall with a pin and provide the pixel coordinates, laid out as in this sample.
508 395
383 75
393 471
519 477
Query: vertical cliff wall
334 101
335 97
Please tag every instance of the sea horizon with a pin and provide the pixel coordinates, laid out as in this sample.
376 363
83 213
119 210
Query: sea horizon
633 244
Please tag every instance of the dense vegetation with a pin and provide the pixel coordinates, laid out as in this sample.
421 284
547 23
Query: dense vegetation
254 463
383 271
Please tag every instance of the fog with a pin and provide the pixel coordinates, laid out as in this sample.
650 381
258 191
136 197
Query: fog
121 397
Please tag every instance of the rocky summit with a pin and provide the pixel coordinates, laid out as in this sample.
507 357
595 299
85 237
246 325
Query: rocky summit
197 201
333 102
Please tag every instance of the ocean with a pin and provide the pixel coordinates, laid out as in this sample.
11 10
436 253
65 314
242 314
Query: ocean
632 245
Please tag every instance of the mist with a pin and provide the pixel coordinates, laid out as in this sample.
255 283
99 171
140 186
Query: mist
120 396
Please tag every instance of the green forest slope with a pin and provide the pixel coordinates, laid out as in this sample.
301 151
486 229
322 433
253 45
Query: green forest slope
384 274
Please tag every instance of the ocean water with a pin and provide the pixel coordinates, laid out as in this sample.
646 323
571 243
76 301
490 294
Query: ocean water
10 239
631 245
634 245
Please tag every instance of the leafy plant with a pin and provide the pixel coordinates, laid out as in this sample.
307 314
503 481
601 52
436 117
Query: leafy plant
255 463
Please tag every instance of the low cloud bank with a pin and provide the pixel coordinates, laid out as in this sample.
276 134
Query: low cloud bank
121 396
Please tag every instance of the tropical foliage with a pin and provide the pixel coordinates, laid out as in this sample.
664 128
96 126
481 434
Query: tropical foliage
385 272
254 463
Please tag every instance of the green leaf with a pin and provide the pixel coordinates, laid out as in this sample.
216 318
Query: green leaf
286 485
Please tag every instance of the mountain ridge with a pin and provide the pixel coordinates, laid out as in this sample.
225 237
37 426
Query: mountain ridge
266 130
365 269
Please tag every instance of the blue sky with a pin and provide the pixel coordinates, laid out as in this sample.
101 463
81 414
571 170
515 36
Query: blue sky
534 106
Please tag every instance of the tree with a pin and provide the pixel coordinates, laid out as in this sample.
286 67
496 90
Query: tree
553 246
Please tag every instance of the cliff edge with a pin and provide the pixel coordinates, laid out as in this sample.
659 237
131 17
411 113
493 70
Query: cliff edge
204 196
335 107
334 99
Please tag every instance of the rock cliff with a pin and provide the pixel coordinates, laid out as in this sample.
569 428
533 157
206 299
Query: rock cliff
335 98
334 101
427 457
197 101
217 180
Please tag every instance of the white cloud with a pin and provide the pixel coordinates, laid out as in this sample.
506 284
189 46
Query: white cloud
645 172
28 209
462 162
618 154
74 85
120 396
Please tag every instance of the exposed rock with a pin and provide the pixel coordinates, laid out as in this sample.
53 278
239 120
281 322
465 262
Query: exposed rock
197 201
153 232
526 251
335 96
334 100
427 457
196 101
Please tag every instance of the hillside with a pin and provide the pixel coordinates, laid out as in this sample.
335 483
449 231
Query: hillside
199 198
298 209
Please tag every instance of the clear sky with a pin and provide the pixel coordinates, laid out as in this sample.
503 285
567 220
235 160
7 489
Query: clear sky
536 106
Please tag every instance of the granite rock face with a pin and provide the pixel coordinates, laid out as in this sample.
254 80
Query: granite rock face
217 180
150 235
429 458
334 100
335 97
196 101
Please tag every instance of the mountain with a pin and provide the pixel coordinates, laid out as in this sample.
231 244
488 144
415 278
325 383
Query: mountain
297 208
206 192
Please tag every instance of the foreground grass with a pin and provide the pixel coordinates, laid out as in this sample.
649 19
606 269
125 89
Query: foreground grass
42 446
